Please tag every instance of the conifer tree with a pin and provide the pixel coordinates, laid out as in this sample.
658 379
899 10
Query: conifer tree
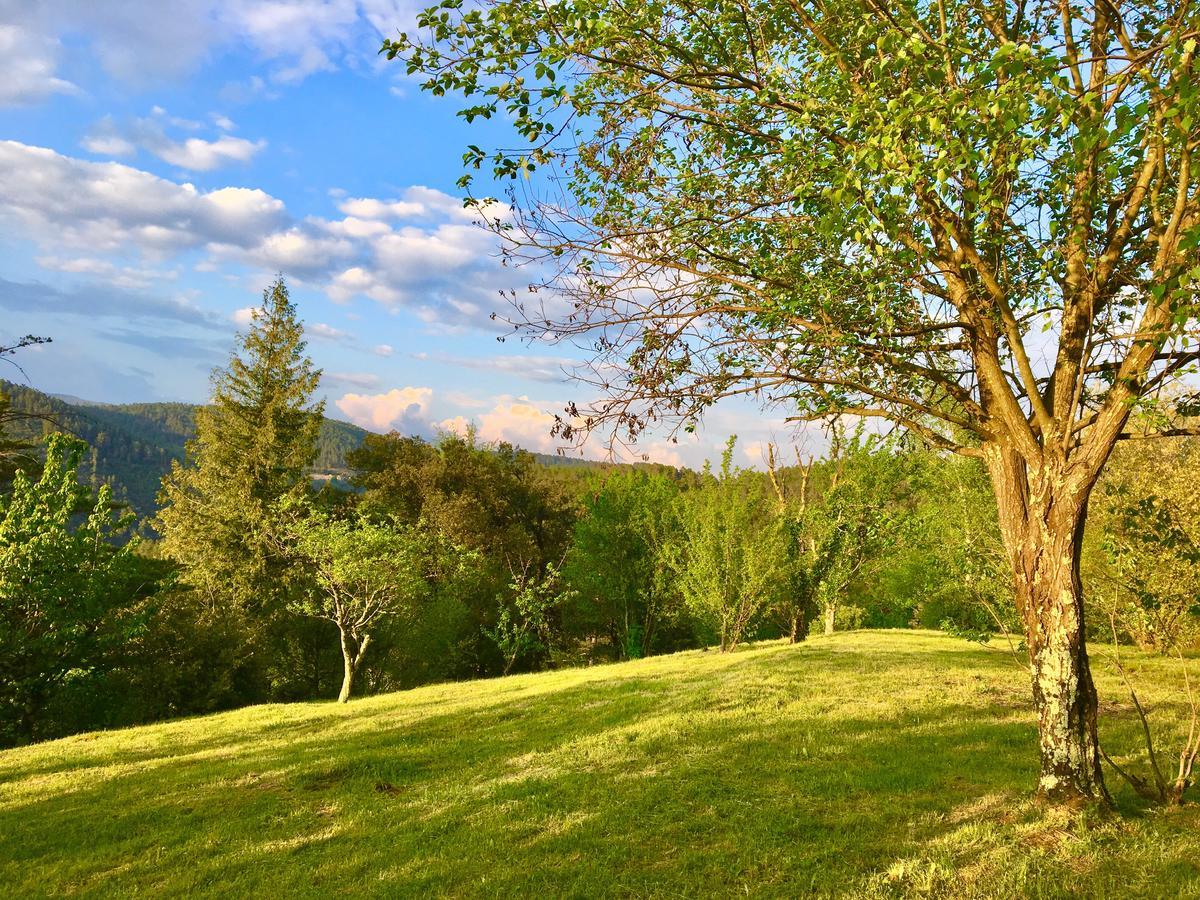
253 445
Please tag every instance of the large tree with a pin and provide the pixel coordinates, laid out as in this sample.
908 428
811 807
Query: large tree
253 445
978 220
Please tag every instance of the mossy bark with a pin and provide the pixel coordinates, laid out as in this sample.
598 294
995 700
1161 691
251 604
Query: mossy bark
1042 515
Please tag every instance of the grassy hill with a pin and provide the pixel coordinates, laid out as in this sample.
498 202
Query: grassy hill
865 764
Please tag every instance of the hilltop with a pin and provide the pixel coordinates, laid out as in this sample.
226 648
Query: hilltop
134 444
864 764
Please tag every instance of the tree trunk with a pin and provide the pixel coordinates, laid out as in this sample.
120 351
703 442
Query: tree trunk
351 660
1042 518
347 673
830 615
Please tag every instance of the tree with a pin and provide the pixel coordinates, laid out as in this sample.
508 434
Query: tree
978 221
62 585
524 626
615 563
728 553
253 445
14 452
363 573
1144 568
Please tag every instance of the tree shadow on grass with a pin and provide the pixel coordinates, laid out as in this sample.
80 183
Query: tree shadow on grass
758 767
780 770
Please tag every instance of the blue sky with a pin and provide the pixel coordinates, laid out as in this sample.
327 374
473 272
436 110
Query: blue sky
160 161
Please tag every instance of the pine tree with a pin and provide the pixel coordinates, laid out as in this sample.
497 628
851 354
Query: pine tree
253 445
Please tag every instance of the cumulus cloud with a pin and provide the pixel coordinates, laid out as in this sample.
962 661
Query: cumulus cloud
108 138
58 200
143 43
518 422
28 61
401 409
444 271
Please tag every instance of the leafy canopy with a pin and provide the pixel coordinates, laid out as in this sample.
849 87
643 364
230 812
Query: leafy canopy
976 220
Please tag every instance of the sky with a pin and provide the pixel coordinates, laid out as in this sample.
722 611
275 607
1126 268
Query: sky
160 162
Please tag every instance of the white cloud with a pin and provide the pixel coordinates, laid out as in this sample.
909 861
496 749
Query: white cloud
108 145
383 349
127 277
60 201
107 137
202 155
327 332
244 316
144 43
400 409
445 272
27 65
517 422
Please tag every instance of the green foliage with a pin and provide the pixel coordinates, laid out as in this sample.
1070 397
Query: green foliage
1143 566
363 573
65 588
253 446
617 567
964 576
524 626
726 552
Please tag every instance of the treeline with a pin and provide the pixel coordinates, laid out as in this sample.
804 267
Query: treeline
456 559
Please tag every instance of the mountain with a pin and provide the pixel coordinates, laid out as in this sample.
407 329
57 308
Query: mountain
134 444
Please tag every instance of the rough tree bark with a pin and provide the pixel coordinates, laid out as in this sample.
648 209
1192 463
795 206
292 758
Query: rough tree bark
1042 515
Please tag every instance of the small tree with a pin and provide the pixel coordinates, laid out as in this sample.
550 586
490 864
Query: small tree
729 552
363 572
615 560
523 626
60 584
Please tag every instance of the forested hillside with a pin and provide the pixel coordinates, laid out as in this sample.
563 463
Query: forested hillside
133 444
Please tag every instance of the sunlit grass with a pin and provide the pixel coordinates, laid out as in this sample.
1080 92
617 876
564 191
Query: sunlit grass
872 763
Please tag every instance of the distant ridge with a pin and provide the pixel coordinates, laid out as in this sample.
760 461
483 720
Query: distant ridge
134 444
76 401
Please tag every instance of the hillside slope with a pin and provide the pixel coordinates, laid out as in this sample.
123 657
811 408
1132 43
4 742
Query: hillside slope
134 444
872 763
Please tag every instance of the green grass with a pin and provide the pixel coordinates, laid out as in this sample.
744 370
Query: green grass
868 764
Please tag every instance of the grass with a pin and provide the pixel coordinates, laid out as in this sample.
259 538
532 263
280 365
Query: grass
863 764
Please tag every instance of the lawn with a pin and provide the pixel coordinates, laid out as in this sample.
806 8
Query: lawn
864 764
